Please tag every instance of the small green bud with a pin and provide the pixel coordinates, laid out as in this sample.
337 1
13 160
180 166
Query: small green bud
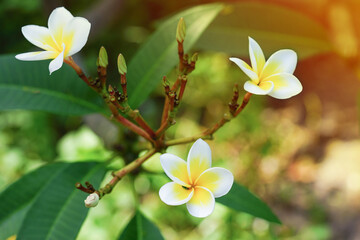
103 58
111 90
165 82
181 31
194 57
121 64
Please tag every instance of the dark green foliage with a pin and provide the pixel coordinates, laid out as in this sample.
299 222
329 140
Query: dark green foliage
45 204
27 85
140 228
240 199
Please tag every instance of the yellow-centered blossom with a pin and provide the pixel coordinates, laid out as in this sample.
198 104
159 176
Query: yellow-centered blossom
65 36
194 182
273 77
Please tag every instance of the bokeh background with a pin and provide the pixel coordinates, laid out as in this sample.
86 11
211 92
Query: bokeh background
301 156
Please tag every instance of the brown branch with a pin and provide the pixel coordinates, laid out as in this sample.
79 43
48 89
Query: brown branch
208 133
245 101
102 73
182 87
117 176
79 71
105 95
123 83
181 56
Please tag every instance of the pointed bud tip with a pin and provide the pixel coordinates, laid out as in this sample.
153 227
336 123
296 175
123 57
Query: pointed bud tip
166 82
121 64
181 30
103 58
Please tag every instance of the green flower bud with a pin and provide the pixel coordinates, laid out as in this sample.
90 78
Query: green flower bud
103 58
121 64
194 57
181 30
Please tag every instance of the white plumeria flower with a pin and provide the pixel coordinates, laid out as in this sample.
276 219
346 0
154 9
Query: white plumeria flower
195 182
273 77
65 36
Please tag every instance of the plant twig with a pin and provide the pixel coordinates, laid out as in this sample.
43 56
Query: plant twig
105 95
117 176
208 133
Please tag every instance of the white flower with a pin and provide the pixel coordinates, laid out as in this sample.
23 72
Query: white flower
65 36
92 200
194 182
273 77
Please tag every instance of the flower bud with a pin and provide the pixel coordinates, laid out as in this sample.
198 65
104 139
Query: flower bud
92 200
111 90
103 58
121 64
181 31
194 57
165 82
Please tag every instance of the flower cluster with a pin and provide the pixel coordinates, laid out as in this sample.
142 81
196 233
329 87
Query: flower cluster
195 182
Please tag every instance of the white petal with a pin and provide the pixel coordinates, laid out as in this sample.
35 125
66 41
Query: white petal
245 68
285 85
57 62
257 57
39 36
202 203
58 19
174 194
175 168
199 159
75 35
33 56
265 88
283 61
218 180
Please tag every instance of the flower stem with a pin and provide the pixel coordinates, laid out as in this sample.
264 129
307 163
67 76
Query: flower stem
113 108
208 133
245 101
117 176
78 70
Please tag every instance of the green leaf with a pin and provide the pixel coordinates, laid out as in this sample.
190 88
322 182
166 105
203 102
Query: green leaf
28 85
272 26
17 198
39 196
58 212
159 54
140 228
240 199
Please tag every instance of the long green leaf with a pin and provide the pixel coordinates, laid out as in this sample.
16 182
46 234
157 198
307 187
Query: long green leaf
272 26
140 228
17 198
159 54
44 204
240 199
58 211
27 85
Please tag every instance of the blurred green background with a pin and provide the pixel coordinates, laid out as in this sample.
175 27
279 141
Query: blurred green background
301 156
